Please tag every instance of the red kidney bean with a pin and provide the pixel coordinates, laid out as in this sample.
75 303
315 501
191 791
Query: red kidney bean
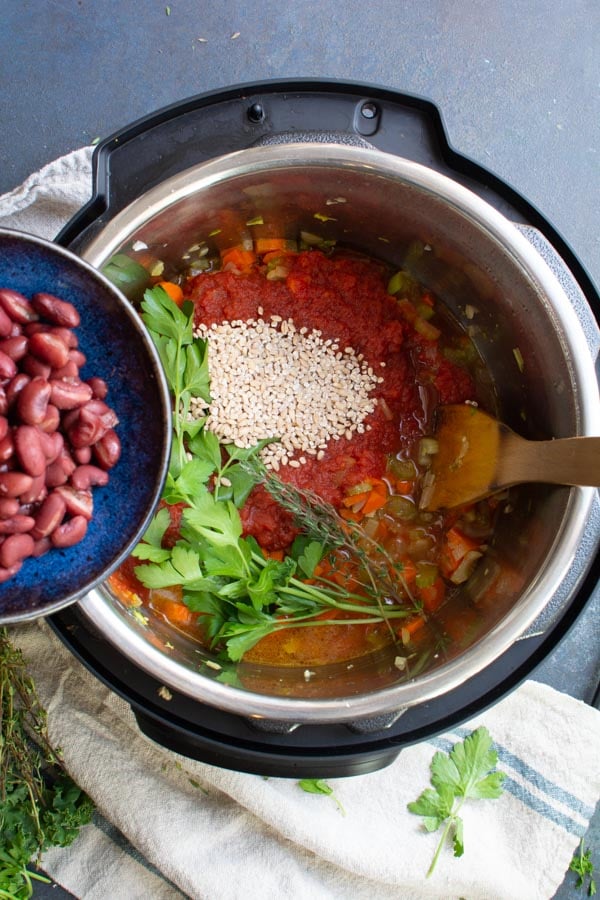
86 430
78 358
6 574
67 462
3 427
70 532
35 367
15 549
100 408
55 310
35 328
107 450
33 399
66 335
52 444
36 492
3 401
50 515
6 323
78 503
50 348
69 394
85 477
55 475
8 367
69 370
14 387
19 524
15 347
7 448
12 484
82 455
99 387
40 547
29 450
51 420
17 307
9 507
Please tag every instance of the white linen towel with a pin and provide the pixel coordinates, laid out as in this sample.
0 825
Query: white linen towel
167 826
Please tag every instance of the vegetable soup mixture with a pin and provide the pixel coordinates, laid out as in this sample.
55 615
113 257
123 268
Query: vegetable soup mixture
305 381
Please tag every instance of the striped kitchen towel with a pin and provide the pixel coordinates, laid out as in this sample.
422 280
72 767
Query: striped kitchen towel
168 826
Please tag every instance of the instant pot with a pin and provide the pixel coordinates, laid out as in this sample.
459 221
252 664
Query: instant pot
284 150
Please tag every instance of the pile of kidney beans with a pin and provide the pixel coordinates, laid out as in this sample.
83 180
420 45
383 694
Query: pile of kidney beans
57 437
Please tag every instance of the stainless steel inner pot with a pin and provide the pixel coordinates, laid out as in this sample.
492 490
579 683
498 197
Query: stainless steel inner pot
542 381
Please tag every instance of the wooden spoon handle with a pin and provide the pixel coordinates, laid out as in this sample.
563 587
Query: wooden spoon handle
563 461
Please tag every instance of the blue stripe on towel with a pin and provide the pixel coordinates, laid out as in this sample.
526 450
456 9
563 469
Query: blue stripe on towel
527 797
540 781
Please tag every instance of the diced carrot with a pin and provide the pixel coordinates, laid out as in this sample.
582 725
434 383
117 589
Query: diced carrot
274 554
354 499
349 515
375 500
455 547
433 595
271 245
404 486
409 570
177 613
173 290
238 258
412 626
383 530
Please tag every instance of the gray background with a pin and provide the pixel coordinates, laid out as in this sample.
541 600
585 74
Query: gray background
518 84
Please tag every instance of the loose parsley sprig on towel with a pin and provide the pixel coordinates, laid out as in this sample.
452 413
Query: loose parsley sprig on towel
583 866
466 773
320 786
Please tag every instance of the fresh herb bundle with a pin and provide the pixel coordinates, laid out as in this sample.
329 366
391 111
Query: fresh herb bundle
240 595
40 805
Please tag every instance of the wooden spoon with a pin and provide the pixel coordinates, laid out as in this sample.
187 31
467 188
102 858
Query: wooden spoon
478 456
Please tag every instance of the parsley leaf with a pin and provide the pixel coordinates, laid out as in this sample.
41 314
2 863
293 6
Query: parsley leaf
583 866
463 774
319 786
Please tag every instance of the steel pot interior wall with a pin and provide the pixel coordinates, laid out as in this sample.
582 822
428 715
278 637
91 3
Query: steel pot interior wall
541 381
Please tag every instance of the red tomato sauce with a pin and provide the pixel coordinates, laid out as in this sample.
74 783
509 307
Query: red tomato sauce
346 298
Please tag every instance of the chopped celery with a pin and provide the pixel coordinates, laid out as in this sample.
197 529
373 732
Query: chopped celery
427 574
126 274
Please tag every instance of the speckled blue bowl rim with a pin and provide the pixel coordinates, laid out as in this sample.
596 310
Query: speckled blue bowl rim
119 350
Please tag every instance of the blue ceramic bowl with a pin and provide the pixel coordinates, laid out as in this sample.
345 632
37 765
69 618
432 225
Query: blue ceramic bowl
119 350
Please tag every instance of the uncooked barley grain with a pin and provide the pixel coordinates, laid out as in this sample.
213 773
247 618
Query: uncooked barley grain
271 380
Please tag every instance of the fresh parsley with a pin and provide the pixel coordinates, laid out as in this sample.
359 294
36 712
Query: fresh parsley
583 866
468 772
40 805
319 786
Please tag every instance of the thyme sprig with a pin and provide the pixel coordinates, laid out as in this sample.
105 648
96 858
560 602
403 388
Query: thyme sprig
40 805
322 522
